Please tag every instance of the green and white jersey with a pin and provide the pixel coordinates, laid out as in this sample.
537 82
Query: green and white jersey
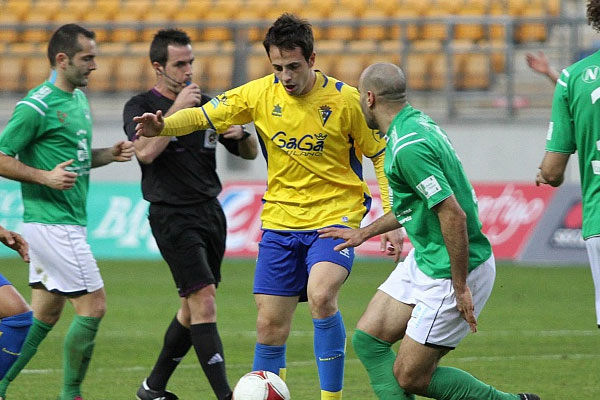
50 126
575 126
423 169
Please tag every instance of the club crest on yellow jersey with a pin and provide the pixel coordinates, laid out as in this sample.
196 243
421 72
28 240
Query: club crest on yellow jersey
325 112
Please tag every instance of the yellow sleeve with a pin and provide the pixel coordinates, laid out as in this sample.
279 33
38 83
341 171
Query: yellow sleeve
382 181
234 107
184 122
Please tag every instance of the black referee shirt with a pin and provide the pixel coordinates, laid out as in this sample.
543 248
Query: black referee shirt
185 172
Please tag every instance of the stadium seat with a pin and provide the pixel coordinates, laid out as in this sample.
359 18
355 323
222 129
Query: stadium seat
390 51
419 61
187 19
219 69
18 8
36 70
405 30
127 27
103 79
327 52
342 24
532 31
472 71
497 31
100 17
11 74
472 30
155 19
39 19
131 71
372 24
217 20
9 35
258 64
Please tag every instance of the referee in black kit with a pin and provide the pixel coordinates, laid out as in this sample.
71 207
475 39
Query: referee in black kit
180 181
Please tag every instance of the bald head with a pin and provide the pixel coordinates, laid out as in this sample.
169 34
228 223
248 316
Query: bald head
386 81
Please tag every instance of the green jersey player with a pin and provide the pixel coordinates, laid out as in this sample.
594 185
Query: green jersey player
575 126
47 147
434 296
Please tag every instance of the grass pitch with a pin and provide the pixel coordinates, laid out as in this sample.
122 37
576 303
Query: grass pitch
537 333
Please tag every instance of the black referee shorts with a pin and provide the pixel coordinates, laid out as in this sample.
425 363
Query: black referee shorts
191 239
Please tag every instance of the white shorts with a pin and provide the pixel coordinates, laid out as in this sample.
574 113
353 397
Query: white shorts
435 319
61 259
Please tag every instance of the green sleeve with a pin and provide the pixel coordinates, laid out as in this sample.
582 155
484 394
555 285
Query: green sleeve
22 128
561 132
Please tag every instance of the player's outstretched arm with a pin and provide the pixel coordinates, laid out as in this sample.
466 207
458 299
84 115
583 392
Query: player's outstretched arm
540 64
149 124
356 237
15 242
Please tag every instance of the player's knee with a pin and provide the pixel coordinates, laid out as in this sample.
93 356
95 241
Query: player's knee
322 304
410 380
272 331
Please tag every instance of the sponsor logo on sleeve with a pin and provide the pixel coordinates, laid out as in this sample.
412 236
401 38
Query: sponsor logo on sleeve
429 186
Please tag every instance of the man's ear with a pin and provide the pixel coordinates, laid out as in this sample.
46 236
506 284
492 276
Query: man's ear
370 99
62 59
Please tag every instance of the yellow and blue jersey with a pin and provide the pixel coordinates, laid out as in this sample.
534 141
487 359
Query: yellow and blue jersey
313 144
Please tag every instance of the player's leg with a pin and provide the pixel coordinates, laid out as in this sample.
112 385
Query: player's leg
382 324
15 319
80 340
47 308
328 269
176 343
279 279
273 324
593 250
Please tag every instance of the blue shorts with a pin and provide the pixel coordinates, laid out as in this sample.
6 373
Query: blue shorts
285 259
4 281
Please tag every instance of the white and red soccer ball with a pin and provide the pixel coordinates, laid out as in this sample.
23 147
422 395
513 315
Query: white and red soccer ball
261 385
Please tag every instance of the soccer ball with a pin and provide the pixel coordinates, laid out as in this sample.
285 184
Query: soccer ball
261 385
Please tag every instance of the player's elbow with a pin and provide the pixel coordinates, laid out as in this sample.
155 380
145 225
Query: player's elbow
553 178
145 157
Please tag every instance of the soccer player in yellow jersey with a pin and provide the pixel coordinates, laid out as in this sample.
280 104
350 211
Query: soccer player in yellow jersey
313 136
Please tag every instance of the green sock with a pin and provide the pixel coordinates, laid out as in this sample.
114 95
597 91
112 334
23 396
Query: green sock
453 384
378 358
79 344
37 333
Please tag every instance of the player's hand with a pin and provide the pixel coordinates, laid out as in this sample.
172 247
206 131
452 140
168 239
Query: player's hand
15 242
539 179
189 96
352 237
234 132
392 242
122 151
538 62
464 304
149 124
59 178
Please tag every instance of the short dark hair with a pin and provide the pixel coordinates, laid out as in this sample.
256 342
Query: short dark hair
289 32
161 41
65 40
593 14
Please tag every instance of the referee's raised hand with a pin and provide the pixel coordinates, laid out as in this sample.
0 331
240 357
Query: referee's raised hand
149 124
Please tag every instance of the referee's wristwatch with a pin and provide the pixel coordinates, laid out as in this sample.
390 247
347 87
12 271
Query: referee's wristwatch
246 134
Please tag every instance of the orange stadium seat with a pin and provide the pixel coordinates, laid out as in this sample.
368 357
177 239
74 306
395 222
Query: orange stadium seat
99 17
203 52
497 31
39 17
258 64
532 31
389 51
327 52
472 69
217 18
9 35
109 54
342 23
474 30
129 70
405 30
372 26
316 16
155 19
219 69
418 66
11 74
130 14
19 8
187 19
36 70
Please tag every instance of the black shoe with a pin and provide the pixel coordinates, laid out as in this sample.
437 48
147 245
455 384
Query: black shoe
145 393
529 396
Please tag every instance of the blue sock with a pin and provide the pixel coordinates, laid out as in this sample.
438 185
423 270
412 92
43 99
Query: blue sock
13 331
269 358
330 351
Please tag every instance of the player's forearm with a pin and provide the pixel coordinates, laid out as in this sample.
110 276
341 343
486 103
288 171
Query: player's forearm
454 231
11 168
101 157
384 188
184 122
147 149
385 223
